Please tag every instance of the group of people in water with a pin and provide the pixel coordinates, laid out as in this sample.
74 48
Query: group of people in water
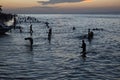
31 31
30 38
89 36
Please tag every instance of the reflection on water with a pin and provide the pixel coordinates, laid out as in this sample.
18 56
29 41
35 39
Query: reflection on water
9 23
62 60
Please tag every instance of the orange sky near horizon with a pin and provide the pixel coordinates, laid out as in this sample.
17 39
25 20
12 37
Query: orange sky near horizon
14 4
18 3
33 3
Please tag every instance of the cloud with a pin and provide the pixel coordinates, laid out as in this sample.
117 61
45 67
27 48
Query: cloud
58 1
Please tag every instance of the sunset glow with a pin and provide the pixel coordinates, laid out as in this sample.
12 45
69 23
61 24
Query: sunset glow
88 0
18 3
61 4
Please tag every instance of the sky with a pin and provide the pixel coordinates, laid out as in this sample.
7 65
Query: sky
60 6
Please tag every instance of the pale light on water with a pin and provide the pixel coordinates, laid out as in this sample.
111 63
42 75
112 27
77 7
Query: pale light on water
61 60
10 23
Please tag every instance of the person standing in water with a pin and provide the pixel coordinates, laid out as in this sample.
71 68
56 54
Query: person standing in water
90 34
31 30
84 49
20 29
31 42
47 24
14 23
49 34
83 46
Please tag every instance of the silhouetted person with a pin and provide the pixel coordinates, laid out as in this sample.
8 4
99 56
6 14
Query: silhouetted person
47 24
31 30
31 41
14 23
74 28
98 29
84 48
0 9
20 29
49 34
90 34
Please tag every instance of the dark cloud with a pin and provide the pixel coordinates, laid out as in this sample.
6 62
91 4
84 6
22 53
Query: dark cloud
58 1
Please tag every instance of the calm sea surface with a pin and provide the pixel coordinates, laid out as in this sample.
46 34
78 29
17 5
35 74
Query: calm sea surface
61 59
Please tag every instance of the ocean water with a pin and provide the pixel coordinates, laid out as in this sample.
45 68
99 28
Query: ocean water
61 59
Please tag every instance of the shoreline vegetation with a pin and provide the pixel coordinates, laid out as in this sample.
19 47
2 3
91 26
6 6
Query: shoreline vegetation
4 17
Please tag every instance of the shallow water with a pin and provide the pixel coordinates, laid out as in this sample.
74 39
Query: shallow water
61 59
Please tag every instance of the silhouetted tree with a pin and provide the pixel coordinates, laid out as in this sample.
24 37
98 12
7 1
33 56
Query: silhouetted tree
0 8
